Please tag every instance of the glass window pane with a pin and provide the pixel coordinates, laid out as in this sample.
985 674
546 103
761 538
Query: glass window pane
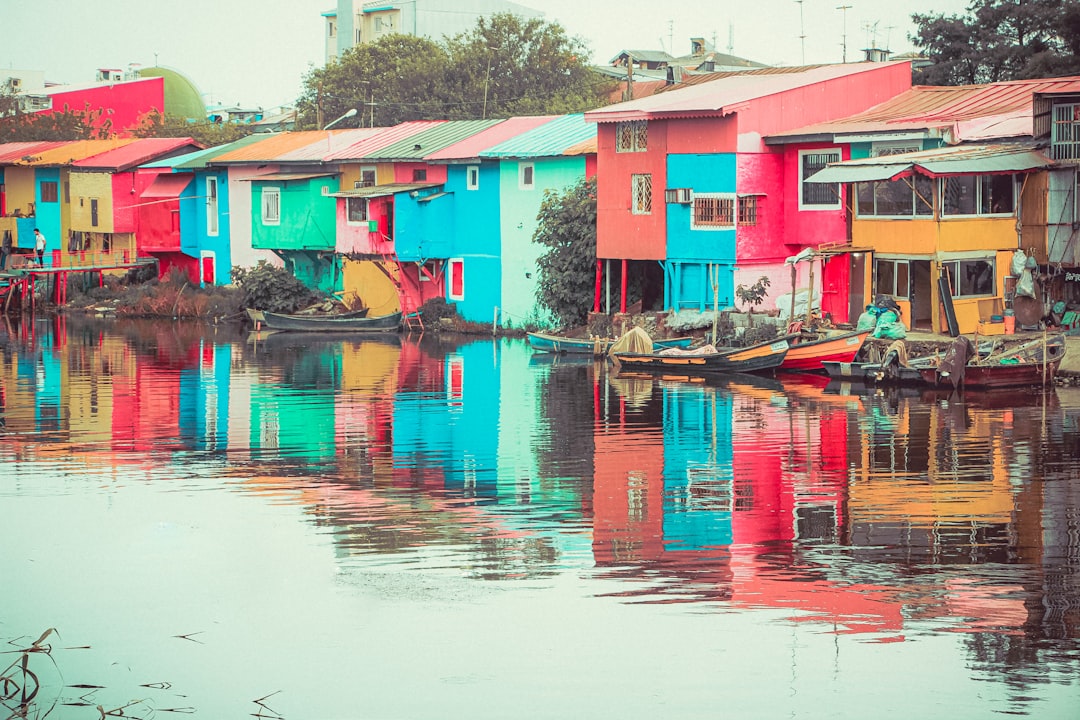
924 195
997 194
901 280
894 198
885 277
865 198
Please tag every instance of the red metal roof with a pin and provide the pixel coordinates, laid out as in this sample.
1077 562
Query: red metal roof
966 112
11 152
389 136
472 146
168 185
136 153
717 97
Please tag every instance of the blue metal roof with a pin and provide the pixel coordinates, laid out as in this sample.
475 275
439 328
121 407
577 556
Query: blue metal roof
548 140
422 144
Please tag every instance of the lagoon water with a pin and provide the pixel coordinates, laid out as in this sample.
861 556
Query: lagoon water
297 527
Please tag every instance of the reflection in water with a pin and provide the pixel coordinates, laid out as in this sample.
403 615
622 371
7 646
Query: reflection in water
939 530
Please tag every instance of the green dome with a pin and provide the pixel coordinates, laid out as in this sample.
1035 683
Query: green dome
182 98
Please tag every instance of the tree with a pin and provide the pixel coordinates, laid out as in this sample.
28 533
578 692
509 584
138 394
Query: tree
18 125
207 133
404 76
504 66
999 40
567 227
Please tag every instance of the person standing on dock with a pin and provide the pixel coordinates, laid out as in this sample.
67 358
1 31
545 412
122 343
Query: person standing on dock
39 246
5 250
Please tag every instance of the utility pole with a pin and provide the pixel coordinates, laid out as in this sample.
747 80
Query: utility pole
843 36
802 32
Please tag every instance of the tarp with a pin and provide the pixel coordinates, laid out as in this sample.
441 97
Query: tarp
635 340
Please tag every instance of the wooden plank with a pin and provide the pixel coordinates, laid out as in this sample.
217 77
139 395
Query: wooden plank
947 304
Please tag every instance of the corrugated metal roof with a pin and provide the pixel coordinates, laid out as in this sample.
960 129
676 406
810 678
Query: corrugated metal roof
167 185
11 152
472 147
422 144
547 140
271 147
586 147
966 112
334 141
286 177
955 160
200 158
389 136
384 190
135 153
716 97
70 152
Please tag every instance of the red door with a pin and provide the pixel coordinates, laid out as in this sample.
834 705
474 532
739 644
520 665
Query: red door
208 270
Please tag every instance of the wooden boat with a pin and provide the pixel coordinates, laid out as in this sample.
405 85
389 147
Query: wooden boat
331 323
258 316
766 356
810 355
1010 371
591 346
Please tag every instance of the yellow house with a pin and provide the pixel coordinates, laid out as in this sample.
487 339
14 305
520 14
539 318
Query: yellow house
942 227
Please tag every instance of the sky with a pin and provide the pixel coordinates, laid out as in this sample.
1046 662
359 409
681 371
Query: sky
255 53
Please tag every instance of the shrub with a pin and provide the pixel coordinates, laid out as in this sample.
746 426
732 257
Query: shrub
265 287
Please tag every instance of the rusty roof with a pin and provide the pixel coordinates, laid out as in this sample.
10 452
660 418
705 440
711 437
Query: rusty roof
959 113
70 152
136 153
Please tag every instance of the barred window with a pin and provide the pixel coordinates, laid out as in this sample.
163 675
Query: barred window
356 209
748 210
271 206
713 211
813 195
641 194
632 136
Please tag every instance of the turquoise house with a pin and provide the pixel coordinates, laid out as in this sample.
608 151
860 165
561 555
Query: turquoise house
549 157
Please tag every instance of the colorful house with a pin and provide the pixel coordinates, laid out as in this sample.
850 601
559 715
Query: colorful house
551 157
723 217
122 100
19 193
936 184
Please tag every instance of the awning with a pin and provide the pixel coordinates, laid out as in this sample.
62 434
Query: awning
955 160
168 185
286 177
432 196
374 191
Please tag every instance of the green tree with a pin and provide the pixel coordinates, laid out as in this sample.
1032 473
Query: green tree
508 65
18 125
404 76
210 134
567 227
997 40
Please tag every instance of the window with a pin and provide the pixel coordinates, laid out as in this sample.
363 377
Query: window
817 196
67 192
908 197
211 206
93 212
641 194
525 176
632 136
48 191
713 211
419 175
891 278
271 206
356 210
367 178
969 278
332 28
1065 132
472 177
748 210
457 279
978 195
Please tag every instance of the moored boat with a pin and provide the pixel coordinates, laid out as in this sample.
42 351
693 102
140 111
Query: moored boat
766 356
331 323
591 346
811 355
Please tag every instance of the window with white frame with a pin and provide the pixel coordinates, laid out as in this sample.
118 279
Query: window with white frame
970 278
978 195
271 206
891 277
894 147
472 177
631 136
713 211
813 195
356 210
367 177
641 194
526 176
908 197
211 206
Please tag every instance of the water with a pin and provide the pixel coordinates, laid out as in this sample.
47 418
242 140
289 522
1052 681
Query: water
305 528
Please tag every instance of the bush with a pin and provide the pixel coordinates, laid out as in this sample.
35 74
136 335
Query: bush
265 287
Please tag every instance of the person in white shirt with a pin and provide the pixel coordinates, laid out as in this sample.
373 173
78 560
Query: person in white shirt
40 247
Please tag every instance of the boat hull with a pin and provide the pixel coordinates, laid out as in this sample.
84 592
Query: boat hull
591 346
296 323
989 377
764 357
811 356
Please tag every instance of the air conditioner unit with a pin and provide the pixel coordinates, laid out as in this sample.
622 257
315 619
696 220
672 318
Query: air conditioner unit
682 196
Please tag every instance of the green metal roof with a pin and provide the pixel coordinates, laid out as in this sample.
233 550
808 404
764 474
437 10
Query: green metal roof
200 158
952 160
548 140
420 145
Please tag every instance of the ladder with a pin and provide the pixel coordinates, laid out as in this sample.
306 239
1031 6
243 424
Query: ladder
410 313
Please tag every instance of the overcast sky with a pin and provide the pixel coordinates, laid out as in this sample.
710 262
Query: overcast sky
255 52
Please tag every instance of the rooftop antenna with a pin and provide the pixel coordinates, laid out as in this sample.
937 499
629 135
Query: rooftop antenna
888 33
731 38
802 32
671 34
843 36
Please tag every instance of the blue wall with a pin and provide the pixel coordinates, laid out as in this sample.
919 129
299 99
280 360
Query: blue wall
47 214
476 239
194 227
423 229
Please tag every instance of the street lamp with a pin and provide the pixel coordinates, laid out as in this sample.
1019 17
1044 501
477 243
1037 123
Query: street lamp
348 114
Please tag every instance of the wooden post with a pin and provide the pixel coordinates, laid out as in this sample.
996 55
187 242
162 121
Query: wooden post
715 269
599 277
622 302
810 299
1044 356
794 281
495 321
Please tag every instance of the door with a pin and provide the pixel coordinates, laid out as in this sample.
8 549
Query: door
856 285
921 295
208 269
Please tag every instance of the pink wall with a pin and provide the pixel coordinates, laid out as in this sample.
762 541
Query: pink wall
127 102
358 238
590 165
127 188
702 135
620 233
762 173
159 229
810 227
403 172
